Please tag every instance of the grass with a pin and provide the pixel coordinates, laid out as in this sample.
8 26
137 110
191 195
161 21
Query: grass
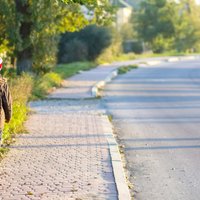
21 89
127 56
3 151
133 56
43 85
110 118
125 69
67 70
165 54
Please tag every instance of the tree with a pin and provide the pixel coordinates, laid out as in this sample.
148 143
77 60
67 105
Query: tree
187 27
155 23
167 25
33 27
7 27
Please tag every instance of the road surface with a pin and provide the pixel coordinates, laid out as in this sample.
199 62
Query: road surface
156 112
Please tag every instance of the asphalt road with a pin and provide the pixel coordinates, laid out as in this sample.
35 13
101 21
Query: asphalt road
156 112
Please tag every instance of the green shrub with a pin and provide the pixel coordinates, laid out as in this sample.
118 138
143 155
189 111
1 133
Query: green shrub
44 84
74 50
86 44
97 39
52 78
160 44
132 46
113 51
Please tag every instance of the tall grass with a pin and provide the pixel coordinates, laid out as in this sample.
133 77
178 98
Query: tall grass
21 88
67 70
44 84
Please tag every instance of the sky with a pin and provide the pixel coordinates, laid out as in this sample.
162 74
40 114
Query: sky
198 1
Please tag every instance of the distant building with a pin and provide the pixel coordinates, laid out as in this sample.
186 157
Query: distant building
123 16
124 12
127 3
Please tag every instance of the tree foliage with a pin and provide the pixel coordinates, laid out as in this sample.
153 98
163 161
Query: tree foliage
156 23
166 25
187 35
32 27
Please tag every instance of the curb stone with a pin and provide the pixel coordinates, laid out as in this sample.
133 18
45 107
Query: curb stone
175 59
99 85
119 174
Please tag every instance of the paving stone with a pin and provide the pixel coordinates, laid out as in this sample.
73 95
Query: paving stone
64 156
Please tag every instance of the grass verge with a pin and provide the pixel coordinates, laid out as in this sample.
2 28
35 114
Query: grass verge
67 70
43 85
21 89
133 56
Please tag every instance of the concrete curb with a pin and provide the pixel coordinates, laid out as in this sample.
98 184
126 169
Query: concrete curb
118 170
99 85
153 62
174 59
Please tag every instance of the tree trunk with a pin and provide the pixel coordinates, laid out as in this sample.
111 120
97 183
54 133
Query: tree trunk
24 57
24 61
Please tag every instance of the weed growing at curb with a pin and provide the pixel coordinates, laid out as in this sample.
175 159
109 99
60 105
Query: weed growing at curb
110 118
99 93
125 69
3 151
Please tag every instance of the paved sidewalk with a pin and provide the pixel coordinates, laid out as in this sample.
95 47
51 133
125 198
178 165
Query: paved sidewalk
65 156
